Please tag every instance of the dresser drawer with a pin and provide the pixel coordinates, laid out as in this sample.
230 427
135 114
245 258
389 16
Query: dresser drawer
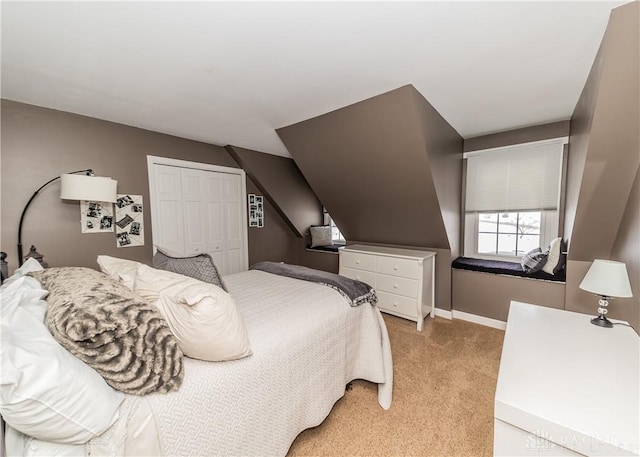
359 275
358 261
397 304
397 285
398 267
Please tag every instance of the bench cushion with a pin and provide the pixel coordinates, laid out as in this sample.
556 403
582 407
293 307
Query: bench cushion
501 267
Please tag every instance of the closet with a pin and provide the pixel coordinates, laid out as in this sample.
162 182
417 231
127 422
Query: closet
199 208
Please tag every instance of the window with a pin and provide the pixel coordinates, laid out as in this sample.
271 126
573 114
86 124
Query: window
512 198
336 234
508 233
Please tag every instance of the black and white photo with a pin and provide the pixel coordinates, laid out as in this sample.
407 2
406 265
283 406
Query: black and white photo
124 200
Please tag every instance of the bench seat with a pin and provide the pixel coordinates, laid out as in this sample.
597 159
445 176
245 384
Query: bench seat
501 267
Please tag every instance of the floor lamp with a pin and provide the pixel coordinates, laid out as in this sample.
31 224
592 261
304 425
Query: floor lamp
77 185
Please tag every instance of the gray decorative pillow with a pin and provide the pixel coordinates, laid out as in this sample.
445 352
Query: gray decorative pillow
104 324
320 235
533 260
200 266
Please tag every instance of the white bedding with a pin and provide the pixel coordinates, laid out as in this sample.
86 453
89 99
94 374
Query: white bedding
307 342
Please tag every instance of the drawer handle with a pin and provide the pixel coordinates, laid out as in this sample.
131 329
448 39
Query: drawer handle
357 262
395 286
395 267
358 278
395 304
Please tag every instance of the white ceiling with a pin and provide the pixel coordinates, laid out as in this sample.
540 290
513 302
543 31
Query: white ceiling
231 73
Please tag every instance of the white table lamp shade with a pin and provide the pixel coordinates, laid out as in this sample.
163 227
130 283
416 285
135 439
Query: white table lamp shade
608 278
89 188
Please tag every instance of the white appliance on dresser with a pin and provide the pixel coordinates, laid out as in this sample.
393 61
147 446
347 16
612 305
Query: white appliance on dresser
566 387
403 278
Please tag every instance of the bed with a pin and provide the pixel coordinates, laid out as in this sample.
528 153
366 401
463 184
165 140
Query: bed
307 344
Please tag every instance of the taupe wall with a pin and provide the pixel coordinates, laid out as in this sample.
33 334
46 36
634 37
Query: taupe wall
580 126
523 135
388 170
606 134
443 145
602 187
275 241
627 249
39 144
278 243
490 295
281 182
368 165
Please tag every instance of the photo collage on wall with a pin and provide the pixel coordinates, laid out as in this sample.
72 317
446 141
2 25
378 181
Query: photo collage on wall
96 217
256 211
129 221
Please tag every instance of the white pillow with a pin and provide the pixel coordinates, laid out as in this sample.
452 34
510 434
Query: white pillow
28 266
320 235
46 392
553 256
203 317
122 270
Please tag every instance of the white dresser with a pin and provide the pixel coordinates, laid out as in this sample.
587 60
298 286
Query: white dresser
403 278
566 387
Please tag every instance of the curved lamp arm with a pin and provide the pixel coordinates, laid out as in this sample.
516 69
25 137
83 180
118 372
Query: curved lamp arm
88 171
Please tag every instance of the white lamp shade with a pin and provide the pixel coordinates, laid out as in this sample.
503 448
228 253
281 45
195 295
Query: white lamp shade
90 188
608 278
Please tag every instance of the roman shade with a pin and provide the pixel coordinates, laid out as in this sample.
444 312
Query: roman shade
515 178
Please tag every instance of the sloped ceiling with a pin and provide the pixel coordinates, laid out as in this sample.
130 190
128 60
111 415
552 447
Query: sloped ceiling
373 166
281 182
605 141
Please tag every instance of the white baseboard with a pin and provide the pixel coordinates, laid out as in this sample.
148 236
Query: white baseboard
443 313
478 319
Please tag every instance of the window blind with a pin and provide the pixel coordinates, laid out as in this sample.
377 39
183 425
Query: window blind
515 178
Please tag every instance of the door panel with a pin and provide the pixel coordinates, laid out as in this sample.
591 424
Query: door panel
194 223
168 201
171 224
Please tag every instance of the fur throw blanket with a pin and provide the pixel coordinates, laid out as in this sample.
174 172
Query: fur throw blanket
104 324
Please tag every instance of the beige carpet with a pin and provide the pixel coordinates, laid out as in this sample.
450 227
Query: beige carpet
444 384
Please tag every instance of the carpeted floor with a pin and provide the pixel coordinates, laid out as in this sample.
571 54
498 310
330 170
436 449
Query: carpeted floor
444 384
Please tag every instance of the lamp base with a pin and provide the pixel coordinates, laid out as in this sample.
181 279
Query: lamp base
602 321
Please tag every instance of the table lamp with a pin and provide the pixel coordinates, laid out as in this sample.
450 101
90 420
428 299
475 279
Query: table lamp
606 278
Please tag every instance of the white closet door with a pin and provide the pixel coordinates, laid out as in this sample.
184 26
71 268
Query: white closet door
168 205
200 210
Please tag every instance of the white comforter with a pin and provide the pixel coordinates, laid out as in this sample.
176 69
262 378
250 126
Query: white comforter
307 342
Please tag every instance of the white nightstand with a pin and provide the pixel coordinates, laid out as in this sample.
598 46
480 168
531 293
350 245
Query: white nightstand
566 387
403 278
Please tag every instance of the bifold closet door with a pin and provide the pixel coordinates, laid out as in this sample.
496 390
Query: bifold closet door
208 207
